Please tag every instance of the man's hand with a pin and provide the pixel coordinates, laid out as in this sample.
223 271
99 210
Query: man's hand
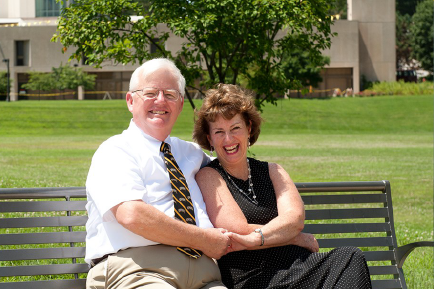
216 244
243 242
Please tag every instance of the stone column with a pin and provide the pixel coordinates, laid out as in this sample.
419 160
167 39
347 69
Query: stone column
80 92
377 42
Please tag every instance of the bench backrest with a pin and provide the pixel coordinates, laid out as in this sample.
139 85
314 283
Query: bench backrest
42 237
356 214
42 231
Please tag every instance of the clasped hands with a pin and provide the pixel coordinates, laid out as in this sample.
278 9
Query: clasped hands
253 240
223 242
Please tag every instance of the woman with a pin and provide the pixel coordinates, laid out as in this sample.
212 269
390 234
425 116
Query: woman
259 204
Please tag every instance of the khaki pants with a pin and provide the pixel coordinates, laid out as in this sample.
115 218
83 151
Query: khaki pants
157 266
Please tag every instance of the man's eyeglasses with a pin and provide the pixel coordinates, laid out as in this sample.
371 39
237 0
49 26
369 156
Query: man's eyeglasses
152 93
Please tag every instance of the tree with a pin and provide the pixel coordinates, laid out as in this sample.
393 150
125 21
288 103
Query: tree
422 34
406 6
225 40
62 77
296 65
403 40
4 82
339 7
40 81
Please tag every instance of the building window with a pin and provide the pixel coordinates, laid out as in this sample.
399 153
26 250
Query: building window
50 8
22 53
47 8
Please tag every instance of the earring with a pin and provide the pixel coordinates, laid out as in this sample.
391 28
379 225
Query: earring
248 145
211 152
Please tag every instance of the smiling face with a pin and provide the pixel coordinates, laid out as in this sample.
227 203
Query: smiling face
230 139
156 117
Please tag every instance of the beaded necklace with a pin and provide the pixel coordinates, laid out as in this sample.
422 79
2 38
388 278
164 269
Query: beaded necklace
250 190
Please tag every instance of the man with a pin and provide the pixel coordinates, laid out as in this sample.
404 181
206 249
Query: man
134 237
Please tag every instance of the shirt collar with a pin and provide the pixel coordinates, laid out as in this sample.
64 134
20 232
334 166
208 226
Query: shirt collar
137 131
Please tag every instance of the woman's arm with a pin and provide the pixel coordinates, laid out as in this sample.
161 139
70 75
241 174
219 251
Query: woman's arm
224 212
290 220
286 228
222 209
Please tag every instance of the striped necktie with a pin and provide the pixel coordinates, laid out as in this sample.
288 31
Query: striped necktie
181 196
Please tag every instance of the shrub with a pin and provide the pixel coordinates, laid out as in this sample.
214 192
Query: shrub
402 88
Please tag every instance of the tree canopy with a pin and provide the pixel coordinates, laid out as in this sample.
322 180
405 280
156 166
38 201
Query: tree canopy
403 40
422 32
406 6
339 7
4 82
224 41
62 77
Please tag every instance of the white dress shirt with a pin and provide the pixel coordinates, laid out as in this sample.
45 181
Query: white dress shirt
130 167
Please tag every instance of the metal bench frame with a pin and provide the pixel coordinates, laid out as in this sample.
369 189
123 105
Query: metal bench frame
328 218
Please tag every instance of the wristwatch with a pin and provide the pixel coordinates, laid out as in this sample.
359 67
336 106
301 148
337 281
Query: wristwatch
259 231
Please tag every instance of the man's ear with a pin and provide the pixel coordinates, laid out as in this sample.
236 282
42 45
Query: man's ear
130 101
182 103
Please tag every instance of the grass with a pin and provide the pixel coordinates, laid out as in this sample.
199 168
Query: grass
51 143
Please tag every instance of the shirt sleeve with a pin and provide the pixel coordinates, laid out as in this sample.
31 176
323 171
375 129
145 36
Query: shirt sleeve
114 177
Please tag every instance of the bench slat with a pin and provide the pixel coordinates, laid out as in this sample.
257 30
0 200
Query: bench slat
379 255
357 213
357 242
43 222
344 199
45 253
42 193
42 238
386 284
383 270
43 270
312 187
346 228
51 284
42 206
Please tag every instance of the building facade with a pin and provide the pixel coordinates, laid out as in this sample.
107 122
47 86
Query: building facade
365 46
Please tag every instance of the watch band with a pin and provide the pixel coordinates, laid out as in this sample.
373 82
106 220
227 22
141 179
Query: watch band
259 231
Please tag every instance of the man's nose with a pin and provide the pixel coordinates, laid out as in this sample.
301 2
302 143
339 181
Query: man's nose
160 96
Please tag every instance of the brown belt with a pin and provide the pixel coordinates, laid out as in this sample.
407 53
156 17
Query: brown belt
94 262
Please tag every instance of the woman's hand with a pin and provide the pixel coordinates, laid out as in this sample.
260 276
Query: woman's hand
243 242
253 240
307 241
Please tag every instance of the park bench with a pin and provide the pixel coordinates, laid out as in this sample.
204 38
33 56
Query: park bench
42 232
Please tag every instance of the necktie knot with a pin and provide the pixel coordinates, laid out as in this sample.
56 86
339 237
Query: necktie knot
165 148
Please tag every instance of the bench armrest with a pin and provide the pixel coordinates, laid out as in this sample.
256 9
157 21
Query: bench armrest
403 251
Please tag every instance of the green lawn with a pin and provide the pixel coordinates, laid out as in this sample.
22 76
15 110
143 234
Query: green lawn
50 143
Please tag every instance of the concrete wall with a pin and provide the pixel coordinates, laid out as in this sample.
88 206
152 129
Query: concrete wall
344 51
17 8
376 20
4 10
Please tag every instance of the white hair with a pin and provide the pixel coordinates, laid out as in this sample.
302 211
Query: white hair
153 65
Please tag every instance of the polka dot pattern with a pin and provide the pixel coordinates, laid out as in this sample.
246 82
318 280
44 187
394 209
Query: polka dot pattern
285 266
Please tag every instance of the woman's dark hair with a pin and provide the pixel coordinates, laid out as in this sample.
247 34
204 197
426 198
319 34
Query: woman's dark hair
226 100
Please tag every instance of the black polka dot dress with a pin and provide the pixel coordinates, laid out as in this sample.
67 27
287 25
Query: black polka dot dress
285 266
